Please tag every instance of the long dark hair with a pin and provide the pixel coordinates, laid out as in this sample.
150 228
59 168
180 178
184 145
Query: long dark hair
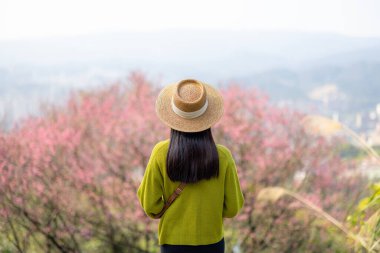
192 156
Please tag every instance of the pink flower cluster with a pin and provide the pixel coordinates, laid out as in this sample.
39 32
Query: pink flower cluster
71 176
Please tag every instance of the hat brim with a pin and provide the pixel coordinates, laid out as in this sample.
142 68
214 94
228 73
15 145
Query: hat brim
212 115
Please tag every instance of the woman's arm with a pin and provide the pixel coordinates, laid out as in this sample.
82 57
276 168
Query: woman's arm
233 196
150 192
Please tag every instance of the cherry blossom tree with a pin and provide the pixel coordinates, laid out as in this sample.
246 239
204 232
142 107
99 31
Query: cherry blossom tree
272 148
68 179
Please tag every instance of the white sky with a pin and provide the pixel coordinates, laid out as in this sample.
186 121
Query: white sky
43 18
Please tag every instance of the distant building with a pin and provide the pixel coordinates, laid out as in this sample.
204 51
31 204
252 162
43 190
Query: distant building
358 121
370 168
335 116
373 138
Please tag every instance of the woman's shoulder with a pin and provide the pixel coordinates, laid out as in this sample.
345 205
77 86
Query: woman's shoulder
160 146
224 151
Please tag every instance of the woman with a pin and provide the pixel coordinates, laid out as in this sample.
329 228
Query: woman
194 222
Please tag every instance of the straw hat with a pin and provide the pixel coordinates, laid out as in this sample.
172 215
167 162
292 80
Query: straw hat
189 106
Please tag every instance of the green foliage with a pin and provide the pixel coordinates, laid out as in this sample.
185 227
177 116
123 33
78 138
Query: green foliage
5 246
78 192
349 151
367 218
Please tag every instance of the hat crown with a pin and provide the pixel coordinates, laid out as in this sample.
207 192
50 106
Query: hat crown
189 106
190 95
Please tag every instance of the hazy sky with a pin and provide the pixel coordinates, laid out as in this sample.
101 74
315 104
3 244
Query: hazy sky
42 18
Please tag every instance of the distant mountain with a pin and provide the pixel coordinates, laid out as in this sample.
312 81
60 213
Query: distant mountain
289 66
189 52
358 82
369 54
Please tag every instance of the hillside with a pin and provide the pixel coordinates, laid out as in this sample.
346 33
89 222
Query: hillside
289 66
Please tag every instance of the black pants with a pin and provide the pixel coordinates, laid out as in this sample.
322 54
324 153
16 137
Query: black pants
210 248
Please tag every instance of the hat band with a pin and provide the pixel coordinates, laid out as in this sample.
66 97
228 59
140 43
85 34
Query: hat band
189 115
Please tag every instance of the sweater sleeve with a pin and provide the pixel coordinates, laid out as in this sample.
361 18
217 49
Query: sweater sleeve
150 192
233 196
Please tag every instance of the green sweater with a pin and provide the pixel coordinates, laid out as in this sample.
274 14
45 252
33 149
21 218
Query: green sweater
196 216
